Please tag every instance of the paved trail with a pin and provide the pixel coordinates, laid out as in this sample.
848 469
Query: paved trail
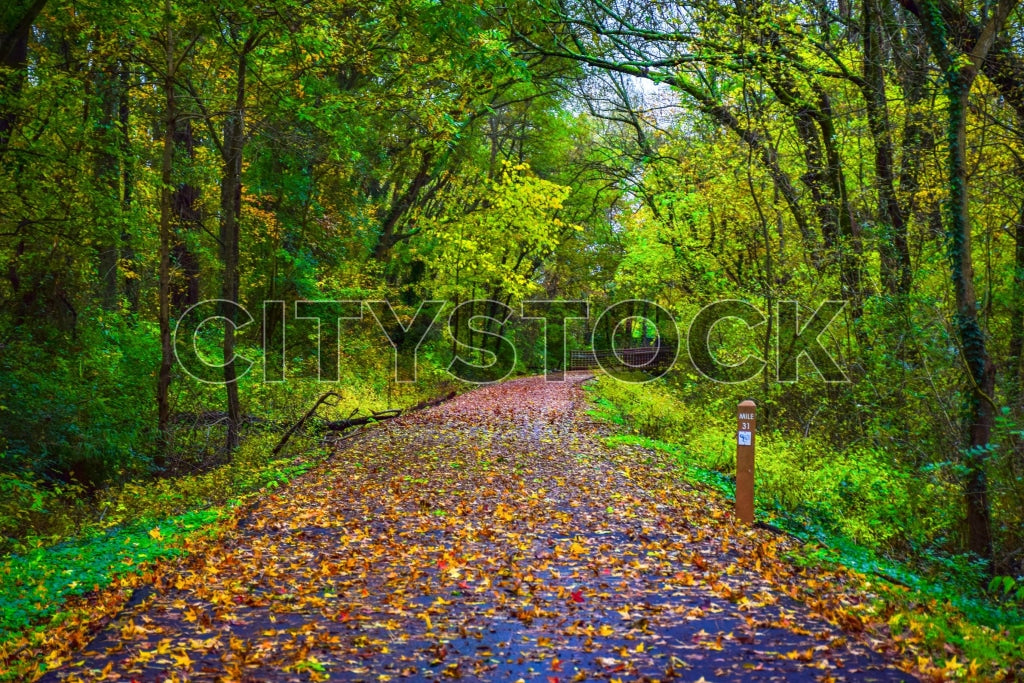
493 537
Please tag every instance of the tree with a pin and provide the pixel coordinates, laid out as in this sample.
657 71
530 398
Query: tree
170 121
959 71
16 19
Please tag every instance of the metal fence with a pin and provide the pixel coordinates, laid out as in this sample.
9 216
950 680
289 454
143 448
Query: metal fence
641 358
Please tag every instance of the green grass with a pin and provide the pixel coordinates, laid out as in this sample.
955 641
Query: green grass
34 585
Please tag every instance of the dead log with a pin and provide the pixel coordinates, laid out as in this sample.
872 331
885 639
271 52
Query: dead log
342 425
352 421
348 423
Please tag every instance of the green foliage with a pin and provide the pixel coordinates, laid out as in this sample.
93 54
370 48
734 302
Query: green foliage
467 254
648 409
35 583
116 483
413 149
61 404
857 493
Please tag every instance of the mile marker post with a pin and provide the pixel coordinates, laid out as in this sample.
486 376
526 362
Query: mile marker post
746 426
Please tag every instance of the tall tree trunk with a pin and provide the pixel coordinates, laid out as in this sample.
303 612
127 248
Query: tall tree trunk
1014 369
892 243
981 372
131 278
188 219
1014 377
230 209
166 349
106 210
959 75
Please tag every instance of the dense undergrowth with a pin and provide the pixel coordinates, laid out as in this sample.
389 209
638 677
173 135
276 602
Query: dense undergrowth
80 454
87 493
852 506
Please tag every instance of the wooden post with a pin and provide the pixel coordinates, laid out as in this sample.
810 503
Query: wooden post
746 426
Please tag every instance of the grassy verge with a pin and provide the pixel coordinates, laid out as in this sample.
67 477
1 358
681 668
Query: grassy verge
847 512
50 592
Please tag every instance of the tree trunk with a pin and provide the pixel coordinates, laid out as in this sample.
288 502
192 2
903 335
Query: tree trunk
1014 370
106 210
959 74
230 208
166 350
892 242
188 219
131 279
14 34
1016 346
972 338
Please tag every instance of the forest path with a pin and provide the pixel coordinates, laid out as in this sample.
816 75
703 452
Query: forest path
492 537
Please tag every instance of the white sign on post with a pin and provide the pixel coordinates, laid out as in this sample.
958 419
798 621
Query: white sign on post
743 438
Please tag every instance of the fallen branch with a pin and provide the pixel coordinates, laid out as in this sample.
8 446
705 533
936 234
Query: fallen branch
353 421
891 579
320 401
342 425
212 418
349 422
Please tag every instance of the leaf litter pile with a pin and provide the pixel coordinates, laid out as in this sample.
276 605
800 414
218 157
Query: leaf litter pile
493 537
